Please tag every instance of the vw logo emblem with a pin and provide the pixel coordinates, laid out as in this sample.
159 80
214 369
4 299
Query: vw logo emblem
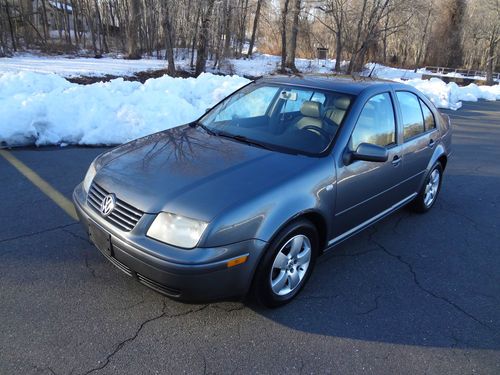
108 204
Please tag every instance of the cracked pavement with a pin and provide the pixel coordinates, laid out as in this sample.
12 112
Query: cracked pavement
413 294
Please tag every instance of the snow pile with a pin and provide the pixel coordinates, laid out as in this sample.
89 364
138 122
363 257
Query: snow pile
68 66
45 109
387 72
261 64
450 95
78 66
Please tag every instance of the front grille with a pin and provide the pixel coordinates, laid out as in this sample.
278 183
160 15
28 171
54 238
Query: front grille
158 287
124 216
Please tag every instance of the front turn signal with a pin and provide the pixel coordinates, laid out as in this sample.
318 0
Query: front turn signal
236 261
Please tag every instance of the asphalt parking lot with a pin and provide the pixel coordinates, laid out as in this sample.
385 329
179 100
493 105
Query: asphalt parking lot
414 294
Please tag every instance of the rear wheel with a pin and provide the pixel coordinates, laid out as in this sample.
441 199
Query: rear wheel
430 190
287 264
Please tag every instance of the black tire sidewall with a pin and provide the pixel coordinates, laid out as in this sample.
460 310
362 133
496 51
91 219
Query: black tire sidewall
262 287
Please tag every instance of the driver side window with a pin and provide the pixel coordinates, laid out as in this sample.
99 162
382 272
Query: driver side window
376 124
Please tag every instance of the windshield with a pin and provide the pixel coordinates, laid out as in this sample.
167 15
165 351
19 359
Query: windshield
289 118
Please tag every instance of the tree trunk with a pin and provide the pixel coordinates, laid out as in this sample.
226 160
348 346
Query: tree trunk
491 56
100 29
242 31
290 58
227 29
26 17
169 46
384 57
254 29
338 50
284 14
44 21
424 37
66 23
11 28
354 54
133 30
195 34
201 54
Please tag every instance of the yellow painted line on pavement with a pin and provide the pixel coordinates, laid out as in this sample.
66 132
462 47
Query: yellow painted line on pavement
40 183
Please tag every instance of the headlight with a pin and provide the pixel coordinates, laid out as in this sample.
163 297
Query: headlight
87 181
177 230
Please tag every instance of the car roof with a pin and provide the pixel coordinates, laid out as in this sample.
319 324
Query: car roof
340 84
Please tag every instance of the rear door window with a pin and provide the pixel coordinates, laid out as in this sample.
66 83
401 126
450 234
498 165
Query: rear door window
413 121
429 121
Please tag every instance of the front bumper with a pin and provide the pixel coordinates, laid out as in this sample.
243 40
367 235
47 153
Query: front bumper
195 275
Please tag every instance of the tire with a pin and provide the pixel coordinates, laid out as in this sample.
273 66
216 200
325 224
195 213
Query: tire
279 278
430 190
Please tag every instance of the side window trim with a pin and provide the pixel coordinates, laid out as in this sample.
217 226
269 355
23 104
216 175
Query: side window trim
397 118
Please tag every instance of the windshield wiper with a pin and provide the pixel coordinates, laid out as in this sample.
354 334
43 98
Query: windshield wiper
204 127
243 139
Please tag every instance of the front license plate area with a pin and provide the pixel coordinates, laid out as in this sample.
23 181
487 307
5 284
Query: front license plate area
100 239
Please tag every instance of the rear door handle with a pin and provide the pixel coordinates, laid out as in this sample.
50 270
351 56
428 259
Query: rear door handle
432 143
396 160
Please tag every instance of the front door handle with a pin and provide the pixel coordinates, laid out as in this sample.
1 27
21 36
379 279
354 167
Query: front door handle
432 143
396 160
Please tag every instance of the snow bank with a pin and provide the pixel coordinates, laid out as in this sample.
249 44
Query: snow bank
45 109
387 72
450 95
78 66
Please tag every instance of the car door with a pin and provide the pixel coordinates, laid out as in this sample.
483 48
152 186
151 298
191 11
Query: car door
365 188
419 139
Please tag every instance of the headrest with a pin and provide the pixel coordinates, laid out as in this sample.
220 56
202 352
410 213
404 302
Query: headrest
342 103
311 109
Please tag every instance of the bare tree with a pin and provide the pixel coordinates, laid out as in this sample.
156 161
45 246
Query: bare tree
336 12
292 47
201 53
483 23
284 18
169 40
133 51
254 28
407 33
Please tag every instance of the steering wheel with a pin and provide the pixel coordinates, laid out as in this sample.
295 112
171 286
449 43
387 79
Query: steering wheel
318 130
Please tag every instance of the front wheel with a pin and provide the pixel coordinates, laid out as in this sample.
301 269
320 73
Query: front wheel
429 192
287 264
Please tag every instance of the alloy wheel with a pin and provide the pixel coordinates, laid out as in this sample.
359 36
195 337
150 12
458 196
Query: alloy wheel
431 188
290 265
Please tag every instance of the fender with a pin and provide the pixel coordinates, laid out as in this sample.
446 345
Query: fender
438 152
264 215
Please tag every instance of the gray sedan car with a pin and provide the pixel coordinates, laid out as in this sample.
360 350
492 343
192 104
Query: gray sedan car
248 196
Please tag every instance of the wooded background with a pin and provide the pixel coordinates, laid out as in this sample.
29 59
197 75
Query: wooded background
403 33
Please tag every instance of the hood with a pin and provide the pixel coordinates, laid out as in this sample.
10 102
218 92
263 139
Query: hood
186 171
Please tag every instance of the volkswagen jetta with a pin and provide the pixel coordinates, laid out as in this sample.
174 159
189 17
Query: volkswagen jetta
248 196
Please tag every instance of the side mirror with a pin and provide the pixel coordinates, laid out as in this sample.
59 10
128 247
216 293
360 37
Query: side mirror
370 152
